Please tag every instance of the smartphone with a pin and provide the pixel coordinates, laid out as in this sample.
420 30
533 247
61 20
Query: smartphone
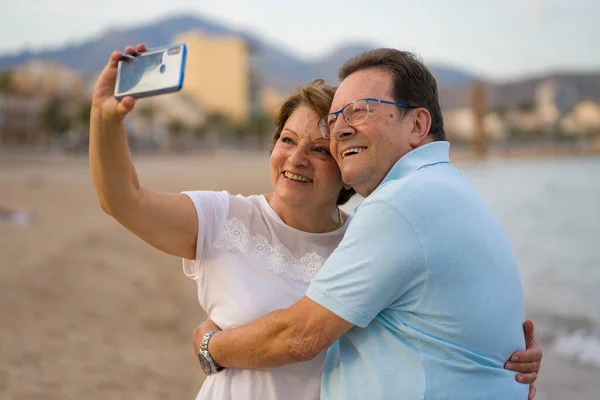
156 71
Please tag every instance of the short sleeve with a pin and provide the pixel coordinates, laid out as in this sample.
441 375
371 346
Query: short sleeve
380 263
212 209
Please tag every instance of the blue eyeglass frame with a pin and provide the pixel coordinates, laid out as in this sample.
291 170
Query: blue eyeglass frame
366 99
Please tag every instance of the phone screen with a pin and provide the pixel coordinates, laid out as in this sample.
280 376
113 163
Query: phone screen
132 71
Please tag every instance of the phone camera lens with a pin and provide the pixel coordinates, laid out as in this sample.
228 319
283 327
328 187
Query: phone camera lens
162 68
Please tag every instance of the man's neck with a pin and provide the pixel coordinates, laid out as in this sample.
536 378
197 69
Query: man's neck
369 186
366 188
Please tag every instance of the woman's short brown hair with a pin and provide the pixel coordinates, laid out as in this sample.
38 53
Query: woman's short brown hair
318 97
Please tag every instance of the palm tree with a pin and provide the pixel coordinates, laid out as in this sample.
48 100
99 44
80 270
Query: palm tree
146 113
217 126
176 129
81 120
5 82
261 126
53 121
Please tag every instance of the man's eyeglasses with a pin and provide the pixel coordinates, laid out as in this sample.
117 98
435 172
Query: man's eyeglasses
354 113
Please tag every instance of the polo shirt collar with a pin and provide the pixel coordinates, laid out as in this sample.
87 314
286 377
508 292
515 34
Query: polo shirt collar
426 155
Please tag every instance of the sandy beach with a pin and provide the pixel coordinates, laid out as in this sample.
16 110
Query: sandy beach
89 311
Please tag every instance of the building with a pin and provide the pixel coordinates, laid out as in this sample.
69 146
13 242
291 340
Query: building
583 119
35 87
460 124
223 74
18 120
552 101
271 100
48 79
148 124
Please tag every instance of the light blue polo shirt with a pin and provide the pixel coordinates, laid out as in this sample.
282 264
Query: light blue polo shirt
428 277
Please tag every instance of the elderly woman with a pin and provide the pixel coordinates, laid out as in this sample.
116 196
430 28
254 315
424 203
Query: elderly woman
249 255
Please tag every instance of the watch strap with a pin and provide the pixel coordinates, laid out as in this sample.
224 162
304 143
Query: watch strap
214 368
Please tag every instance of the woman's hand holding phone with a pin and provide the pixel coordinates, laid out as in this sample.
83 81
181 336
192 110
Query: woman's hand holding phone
103 100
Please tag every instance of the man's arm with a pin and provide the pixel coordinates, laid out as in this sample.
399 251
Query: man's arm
288 336
364 281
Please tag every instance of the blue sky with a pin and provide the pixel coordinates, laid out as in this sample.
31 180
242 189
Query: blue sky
500 40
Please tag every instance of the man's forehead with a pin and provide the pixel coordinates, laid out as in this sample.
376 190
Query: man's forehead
366 83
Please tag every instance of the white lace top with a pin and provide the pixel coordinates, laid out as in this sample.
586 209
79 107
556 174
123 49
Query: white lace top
249 263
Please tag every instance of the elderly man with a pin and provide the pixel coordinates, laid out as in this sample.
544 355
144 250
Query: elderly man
422 299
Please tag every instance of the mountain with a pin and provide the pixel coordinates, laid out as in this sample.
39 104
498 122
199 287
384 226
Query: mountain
90 56
453 77
582 85
282 70
586 85
327 67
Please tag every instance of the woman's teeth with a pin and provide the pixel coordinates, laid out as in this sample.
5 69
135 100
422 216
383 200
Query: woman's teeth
294 177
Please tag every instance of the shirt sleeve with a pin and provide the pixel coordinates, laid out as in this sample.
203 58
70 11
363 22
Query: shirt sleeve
212 209
380 263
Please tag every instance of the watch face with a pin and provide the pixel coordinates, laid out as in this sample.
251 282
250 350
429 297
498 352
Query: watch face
204 363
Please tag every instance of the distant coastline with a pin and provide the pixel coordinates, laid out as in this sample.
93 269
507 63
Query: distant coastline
463 152
459 153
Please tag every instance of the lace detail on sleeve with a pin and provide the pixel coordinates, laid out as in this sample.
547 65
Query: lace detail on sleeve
277 259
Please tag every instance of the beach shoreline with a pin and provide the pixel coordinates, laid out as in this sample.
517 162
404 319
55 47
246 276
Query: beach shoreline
90 311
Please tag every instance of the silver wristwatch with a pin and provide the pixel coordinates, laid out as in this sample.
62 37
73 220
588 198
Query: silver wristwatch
206 361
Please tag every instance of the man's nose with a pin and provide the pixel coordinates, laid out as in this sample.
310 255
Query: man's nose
342 130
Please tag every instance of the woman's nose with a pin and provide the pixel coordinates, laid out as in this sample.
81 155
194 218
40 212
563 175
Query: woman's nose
299 157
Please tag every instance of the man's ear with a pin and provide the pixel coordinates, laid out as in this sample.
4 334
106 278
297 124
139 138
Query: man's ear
420 127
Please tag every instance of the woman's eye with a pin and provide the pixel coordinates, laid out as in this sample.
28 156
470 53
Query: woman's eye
287 140
322 150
